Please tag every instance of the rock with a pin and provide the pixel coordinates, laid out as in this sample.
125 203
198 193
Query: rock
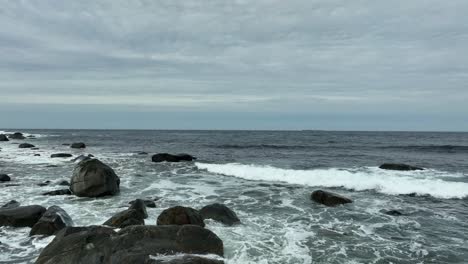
180 215
61 155
45 183
328 198
185 259
52 221
31 136
393 213
92 178
10 205
3 137
400 167
133 244
148 203
171 158
220 213
142 153
37 155
82 158
4 178
25 145
63 183
140 206
79 145
22 216
34 148
58 192
16 135
65 144
125 218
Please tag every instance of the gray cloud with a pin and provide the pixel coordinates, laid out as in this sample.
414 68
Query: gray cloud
304 57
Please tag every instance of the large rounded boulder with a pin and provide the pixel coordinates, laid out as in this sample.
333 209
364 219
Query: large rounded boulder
180 215
161 157
329 198
52 221
92 178
220 213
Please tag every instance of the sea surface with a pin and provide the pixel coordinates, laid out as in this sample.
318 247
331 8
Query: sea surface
266 177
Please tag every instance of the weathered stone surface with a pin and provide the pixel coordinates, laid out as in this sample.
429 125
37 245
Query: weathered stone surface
329 198
52 221
220 213
180 215
400 167
22 216
92 178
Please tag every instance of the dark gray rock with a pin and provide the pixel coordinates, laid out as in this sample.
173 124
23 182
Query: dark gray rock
148 203
329 198
58 192
220 213
171 158
133 244
16 135
140 206
399 167
63 183
37 155
125 218
82 158
393 213
79 145
22 216
3 137
61 155
25 145
180 215
52 221
4 178
10 205
92 178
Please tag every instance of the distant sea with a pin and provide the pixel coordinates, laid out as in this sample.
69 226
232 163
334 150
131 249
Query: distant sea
266 177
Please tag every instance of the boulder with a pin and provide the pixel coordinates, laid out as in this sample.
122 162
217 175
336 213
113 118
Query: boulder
171 158
133 244
63 183
3 137
140 206
148 203
125 218
180 215
79 145
399 167
393 213
329 198
25 145
61 155
58 192
10 205
92 178
52 221
220 213
37 155
22 216
4 178
16 135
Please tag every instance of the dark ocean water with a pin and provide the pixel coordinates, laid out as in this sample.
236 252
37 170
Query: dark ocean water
267 178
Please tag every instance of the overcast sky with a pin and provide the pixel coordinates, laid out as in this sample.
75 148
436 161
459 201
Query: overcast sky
264 64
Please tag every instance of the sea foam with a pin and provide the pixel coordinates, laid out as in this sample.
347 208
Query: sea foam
428 182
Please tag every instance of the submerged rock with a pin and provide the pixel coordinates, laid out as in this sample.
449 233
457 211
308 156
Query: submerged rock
3 137
10 205
147 202
92 178
17 135
25 145
52 221
180 215
171 158
400 167
220 213
42 184
58 192
22 216
78 145
4 178
393 213
329 198
63 183
61 155
133 244
125 218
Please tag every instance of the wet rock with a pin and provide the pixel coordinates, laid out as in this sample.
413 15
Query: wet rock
16 135
82 158
45 183
22 216
148 203
125 218
399 167
61 155
58 192
133 244
140 206
220 213
63 183
3 137
79 145
4 178
142 153
25 145
10 205
51 166
393 213
92 178
37 155
34 148
180 215
52 221
329 198
171 158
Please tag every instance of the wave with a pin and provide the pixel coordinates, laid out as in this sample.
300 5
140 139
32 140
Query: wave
428 182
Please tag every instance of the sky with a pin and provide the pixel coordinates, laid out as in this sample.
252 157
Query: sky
264 64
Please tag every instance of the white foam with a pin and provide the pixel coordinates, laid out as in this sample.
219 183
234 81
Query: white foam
430 182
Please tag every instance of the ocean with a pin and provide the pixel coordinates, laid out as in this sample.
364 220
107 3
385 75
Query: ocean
266 177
